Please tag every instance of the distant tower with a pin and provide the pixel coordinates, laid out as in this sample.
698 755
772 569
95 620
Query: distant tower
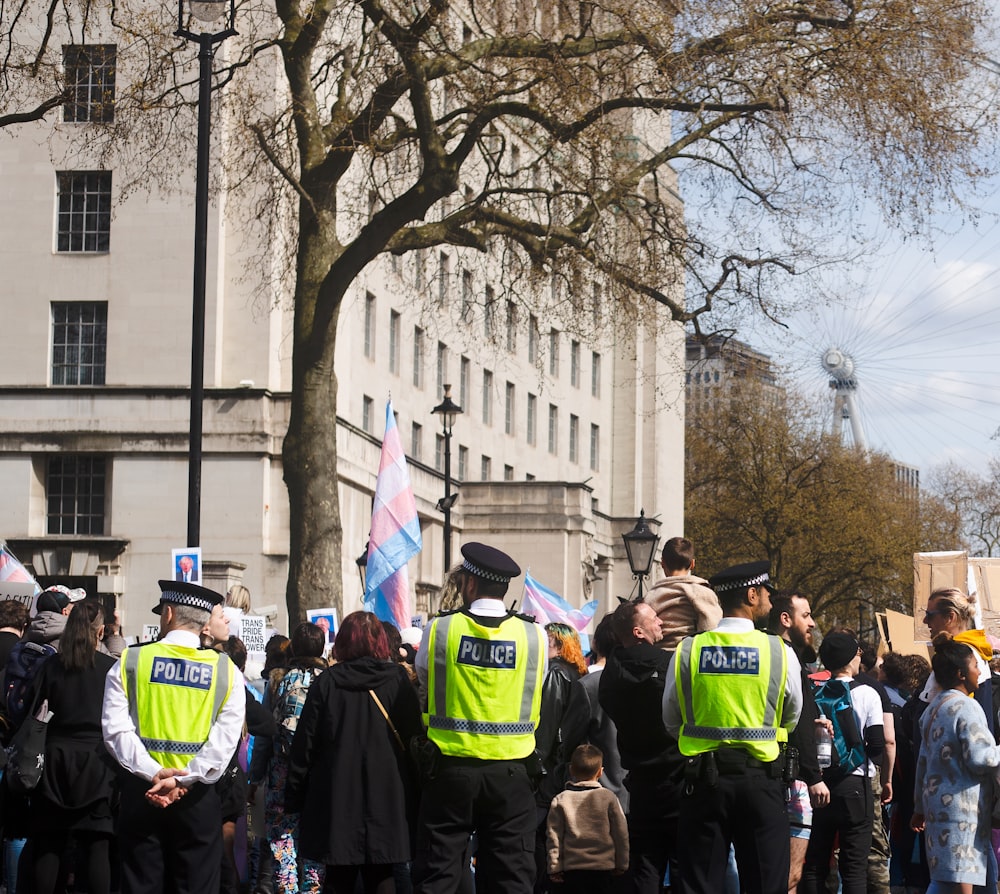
840 366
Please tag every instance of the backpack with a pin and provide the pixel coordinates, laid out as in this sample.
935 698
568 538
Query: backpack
290 696
23 665
848 753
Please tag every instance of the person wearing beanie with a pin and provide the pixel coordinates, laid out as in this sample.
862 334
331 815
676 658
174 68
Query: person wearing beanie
852 804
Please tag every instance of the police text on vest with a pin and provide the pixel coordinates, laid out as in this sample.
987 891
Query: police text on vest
729 660
181 672
495 653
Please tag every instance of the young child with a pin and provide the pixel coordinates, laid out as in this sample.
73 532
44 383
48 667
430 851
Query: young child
587 834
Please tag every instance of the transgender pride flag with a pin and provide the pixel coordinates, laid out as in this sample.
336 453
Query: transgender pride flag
548 606
395 535
14 571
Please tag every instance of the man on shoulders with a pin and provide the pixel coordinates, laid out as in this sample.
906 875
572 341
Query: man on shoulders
684 603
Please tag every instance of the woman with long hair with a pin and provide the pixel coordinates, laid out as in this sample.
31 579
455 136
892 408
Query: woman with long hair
953 794
72 804
349 774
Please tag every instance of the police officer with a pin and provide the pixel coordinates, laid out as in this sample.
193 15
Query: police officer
732 695
481 669
173 715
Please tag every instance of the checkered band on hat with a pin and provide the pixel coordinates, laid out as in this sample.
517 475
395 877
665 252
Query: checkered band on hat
746 582
188 599
484 574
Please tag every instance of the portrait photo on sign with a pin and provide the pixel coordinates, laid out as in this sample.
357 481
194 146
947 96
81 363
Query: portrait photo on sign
325 618
186 564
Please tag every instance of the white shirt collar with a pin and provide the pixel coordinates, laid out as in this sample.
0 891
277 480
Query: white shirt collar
488 608
735 625
182 638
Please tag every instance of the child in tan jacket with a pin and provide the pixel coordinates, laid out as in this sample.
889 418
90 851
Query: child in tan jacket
587 834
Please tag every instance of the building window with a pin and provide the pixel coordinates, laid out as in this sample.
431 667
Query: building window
508 473
466 295
79 342
368 414
463 462
574 438
532 339
416 437
394 324
574 364
90 83
532 413
528 476
439 452
508 409
486 469
595 448
553 429
489 312
596 306
84 218
553 353
444 277
369 325
75 488
463 383
418 357
442 366
418 268
595 374
487 397
511 327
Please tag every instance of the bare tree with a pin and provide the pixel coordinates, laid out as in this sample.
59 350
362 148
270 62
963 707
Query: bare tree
553 136
976 501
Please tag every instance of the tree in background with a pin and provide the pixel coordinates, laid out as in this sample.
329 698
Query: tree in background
546 140
764 481
975 499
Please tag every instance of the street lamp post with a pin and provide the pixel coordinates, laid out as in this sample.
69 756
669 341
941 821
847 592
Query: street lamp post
640 545
206 12
447 410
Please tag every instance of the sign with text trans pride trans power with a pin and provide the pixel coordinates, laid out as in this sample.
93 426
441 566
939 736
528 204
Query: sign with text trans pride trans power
395 533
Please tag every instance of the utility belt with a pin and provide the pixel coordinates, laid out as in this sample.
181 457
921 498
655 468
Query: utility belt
430 760
706 768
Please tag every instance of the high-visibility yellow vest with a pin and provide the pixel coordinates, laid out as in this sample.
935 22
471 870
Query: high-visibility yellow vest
731 689
484 686
175 694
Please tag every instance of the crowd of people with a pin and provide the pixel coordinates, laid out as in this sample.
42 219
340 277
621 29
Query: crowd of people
705 745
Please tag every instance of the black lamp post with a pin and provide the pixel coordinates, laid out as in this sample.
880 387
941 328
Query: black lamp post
362 563
640 545
207 13
447 410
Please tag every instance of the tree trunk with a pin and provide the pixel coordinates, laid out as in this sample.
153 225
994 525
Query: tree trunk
310 450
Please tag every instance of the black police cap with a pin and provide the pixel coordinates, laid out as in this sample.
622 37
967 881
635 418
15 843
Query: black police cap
489 563
749 574
178 592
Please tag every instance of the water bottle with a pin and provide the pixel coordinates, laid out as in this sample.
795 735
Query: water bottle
824 746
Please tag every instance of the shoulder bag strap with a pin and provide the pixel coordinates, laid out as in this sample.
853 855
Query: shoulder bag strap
388 720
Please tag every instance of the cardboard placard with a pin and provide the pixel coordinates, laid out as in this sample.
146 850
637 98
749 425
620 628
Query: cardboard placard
934 571
901 639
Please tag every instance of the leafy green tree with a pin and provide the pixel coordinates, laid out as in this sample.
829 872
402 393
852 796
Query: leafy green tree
763 481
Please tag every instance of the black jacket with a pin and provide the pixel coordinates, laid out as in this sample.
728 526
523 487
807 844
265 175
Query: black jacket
346 774
631 694
549 738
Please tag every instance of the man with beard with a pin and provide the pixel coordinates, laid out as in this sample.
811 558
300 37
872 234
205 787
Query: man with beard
791 619
630 692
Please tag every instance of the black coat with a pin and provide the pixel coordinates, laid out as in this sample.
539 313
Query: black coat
347 776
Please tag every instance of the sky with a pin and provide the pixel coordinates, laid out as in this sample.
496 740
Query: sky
922 323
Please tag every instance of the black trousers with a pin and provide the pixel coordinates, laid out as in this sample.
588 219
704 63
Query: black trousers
745 809
848 815
652 833
177 849
491 798
586 881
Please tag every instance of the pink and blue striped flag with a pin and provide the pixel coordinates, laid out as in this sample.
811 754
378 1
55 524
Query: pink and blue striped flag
395 534
12 570
548 606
